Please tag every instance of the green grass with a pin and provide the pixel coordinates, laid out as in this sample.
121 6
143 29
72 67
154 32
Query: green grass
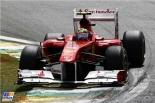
8 74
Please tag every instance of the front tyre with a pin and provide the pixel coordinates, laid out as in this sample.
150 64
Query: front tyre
134 43
115 58
30 58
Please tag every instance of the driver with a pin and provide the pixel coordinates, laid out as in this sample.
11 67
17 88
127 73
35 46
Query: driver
82 34
83 30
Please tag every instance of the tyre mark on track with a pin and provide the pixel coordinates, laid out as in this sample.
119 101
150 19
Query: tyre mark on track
142 83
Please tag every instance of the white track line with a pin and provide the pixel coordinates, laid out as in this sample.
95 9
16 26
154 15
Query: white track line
22 41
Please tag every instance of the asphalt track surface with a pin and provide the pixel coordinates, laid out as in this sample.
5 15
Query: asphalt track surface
32 19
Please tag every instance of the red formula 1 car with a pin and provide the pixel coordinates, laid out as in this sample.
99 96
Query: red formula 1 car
84 56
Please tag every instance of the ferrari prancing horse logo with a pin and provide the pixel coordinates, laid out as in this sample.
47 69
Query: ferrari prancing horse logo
41 73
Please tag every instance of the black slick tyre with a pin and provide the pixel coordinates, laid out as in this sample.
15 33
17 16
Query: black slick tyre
30 58
134 43
53 36
115 58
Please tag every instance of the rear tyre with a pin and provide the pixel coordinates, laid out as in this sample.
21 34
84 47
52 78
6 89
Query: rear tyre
134 43
30 58
53 36
115 58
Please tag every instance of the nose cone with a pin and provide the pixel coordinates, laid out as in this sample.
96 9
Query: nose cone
67 57
70 52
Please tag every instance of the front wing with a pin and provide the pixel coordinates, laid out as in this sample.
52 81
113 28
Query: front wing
46 77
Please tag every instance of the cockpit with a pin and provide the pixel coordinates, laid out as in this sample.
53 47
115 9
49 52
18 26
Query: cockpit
82 36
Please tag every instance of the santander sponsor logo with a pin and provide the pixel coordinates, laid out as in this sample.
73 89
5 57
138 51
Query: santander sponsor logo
98 11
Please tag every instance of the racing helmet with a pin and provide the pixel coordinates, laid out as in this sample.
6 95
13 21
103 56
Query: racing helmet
82 30
82 34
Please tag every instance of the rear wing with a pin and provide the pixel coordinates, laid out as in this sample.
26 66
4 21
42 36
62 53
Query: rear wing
98 15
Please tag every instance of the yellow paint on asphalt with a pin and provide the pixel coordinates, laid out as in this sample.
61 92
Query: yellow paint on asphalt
36 99
4 43
10 48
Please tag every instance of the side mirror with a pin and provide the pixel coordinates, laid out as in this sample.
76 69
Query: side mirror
99 38
62 37
92 24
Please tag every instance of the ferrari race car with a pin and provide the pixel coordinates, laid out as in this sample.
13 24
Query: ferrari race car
84 56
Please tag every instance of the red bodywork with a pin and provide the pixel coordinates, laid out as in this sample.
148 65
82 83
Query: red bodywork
71 49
